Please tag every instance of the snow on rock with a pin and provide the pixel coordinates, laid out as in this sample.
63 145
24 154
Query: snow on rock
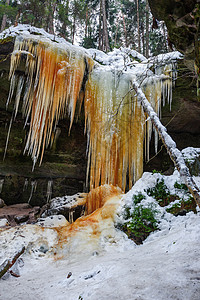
67 201
166 57
52 221
191 153
4 222
109 86
26 29
109 266
164 268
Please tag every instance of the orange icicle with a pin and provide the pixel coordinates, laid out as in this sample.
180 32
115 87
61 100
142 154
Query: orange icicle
114 120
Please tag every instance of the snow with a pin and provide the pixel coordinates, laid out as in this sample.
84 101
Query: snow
28 31
93 259
3 222
52 221
165 266
108 88
191 154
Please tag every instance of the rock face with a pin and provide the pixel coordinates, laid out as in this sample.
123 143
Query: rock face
180 18
182 122
63 169
19 213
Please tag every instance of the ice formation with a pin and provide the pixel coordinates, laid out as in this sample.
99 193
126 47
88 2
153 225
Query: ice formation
59 77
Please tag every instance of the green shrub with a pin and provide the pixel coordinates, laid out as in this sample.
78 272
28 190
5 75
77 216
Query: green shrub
142 222
180 186
183 207
138 198
161 193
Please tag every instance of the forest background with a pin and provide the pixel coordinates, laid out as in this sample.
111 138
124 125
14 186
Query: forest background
100 24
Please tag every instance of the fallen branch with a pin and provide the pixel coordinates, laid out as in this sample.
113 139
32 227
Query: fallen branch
8 263
175 154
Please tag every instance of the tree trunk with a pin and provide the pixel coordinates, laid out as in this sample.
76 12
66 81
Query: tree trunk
100 29
165 37
4 20
105 29
116 31
138 25
86 22
51 17
17 17
125 31
147 30
73 29
143 40
175 155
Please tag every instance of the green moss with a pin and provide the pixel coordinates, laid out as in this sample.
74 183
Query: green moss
6 40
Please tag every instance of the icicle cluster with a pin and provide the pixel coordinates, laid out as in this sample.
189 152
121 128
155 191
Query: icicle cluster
116 126
53 86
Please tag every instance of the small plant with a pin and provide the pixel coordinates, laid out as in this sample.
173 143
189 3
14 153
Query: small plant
156 171
174 208
142 222
180 186
127 213
138 198
160 192
183 207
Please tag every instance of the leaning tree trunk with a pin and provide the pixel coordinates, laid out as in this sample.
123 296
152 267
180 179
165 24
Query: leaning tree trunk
4 20
175 154
8 263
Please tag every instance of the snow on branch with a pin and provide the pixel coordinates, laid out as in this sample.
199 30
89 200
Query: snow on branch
175 154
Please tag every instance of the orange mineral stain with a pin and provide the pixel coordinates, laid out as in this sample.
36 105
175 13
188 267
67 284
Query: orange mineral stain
115 123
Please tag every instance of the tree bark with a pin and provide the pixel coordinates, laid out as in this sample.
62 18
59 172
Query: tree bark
125 31
86 22
100 29
4 20
105 29
73 29
143 48
138 25
51 17
175 154
147 30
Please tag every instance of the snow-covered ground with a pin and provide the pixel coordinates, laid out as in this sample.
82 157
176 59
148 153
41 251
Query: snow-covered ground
166 266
